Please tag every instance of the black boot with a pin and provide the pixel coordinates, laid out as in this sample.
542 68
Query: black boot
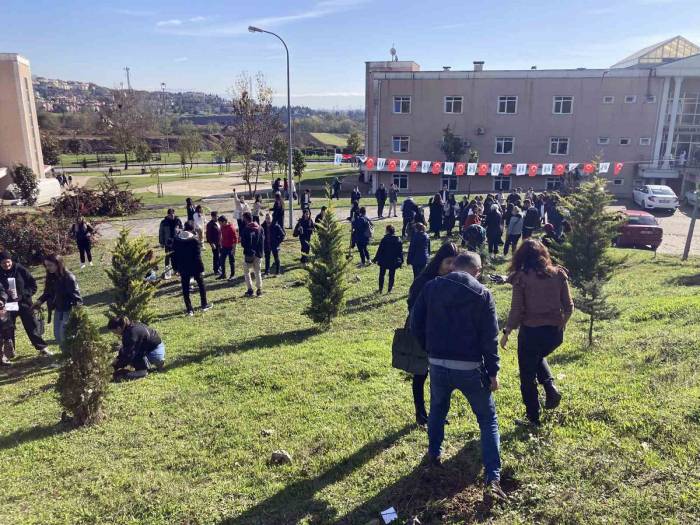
553 396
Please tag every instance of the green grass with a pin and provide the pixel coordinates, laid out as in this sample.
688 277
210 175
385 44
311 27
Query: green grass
75 160
186 446
331 139
141 181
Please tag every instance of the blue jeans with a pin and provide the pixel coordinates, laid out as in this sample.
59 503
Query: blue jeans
443 381
60 320
157 355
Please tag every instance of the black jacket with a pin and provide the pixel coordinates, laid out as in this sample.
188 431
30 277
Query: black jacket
380 194
389 253
187 254
532 219
493 224
24 281
274 235
455 318
137 341
61 293
82 233
409 209
355 195
253 240
168 230
304 229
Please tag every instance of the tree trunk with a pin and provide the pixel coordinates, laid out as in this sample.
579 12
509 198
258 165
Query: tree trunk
126 160
590 331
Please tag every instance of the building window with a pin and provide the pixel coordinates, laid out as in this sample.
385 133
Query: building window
650 99
504 145
453 104
644 141
603 141
625 141
608 99
618 182
400 144
450 181
552 183
559 146
402 104
563 105
401 181
630 99
508 105
501 184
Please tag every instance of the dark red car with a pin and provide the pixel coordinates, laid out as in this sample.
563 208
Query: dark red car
640 229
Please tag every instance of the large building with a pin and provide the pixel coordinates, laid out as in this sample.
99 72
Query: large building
546 117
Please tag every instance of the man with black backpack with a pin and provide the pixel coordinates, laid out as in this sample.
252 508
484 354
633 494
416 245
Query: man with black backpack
253 242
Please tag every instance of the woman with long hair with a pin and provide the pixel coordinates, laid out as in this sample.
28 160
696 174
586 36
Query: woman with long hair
540 308
278 210
435 218
82 232
61 294
440 264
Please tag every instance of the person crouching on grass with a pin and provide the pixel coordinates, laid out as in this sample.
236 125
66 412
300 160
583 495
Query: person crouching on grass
142 349
389 257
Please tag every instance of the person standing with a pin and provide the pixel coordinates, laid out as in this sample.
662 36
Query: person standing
213 238
380 195
444 194
198 220
389 257
187 252
22 290
253 243
418 250
256 209
82 232
336 188
304 230
355 195
540 308
305 200
61 293
515 230
189 209
531 220
494 228
239 208
408 212
435 218
7 333
274 235
321 215
449 215
229 240
361 236
278 210
142 348
393 198
455 321
168 230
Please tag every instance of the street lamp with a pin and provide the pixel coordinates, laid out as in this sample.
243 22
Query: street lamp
290 180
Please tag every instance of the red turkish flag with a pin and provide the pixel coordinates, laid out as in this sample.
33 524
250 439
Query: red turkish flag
392 164
532 170
507 169
414 165
459 168
618 168
559 169
369 163
588 167
483 169
437 167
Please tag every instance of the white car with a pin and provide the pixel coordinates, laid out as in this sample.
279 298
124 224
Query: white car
655 197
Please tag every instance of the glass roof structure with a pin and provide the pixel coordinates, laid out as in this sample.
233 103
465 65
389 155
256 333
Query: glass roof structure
661 53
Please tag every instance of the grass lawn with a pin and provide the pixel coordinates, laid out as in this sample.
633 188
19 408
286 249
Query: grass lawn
75 160
141 181
191 445
331 139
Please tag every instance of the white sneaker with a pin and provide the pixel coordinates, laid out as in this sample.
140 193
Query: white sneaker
90 263
82 266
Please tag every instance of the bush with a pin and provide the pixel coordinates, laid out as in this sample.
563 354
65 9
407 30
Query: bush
83 380
30 236
108 200
25 180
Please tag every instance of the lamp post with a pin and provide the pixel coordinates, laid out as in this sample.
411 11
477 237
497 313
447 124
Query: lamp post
290 180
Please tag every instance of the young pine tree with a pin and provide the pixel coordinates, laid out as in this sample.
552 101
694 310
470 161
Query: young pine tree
327 278
586 251
132 260
84 378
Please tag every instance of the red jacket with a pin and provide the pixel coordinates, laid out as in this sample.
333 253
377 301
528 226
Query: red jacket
229 236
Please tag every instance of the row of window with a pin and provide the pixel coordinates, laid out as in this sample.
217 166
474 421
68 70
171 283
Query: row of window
508 104
505 145
500 183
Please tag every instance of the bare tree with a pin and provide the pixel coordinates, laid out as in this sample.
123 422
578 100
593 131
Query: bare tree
127 120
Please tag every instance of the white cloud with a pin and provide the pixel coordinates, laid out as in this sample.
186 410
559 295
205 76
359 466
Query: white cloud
169 23
180 59
196 19
133 12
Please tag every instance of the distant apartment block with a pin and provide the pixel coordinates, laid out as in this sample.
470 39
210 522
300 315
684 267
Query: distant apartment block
623 114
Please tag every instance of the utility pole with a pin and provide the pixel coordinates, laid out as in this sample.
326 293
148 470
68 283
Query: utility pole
691 228
128 78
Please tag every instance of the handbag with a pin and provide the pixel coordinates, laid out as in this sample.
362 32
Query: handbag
39 321
407 354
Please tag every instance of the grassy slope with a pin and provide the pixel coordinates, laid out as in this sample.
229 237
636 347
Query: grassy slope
331 139
185 446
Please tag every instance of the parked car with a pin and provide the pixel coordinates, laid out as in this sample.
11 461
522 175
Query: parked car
656 197
640 229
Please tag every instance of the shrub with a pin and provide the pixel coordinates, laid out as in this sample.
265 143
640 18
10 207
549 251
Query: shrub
83 380
25 180
30 236
108 200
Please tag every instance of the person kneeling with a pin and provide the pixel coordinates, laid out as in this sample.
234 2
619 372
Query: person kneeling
141 349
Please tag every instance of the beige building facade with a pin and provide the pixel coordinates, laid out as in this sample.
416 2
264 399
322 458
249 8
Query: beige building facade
622 114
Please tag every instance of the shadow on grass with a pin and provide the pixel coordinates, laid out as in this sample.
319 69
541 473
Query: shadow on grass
372 301
572 356
19 437
99 299
26 368
261 341
685 280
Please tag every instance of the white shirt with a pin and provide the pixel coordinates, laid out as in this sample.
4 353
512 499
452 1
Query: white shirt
198 221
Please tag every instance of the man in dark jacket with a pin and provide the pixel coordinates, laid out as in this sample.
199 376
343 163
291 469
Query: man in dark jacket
213 238
409 209
274 235
531 220
187 258
455 320
355 195
418 250
389 257
24 288
380 195
361 235
168 230
253 242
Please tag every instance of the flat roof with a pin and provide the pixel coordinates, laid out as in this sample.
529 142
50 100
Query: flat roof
13 57
513 73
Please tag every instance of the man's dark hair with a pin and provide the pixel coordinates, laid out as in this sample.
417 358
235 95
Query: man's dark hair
189 226
247 216
467 260
171 211
119 322
223 219
214 214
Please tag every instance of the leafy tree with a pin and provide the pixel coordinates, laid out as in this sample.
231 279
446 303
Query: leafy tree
226 149
298 163
132 260
84 378
26 182
189 144
127 121
585 253
50 149
280 153
143 152
452 146
593 301
327 274
354 143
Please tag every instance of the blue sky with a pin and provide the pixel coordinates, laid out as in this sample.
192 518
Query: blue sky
204 45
